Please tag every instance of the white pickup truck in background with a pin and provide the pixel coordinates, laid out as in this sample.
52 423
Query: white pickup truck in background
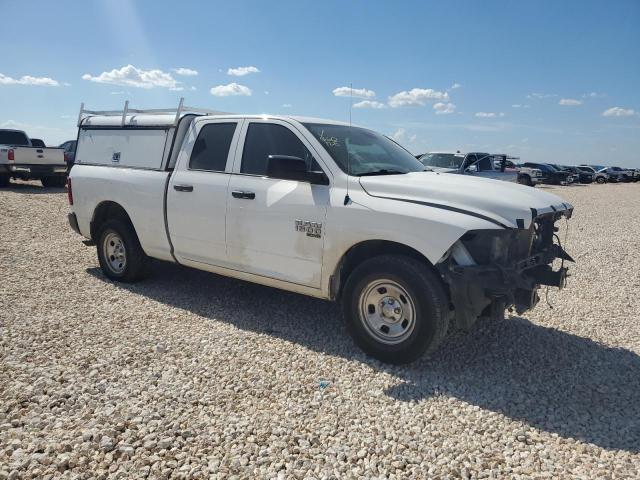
28 159
316 207
479 164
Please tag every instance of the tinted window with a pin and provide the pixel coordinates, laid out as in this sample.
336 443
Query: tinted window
10 137
264 139
485 163
211 149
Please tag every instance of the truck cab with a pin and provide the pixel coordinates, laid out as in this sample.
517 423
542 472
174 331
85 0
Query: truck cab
317 207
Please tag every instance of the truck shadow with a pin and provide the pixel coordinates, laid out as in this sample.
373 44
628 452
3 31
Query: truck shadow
549 379
31 188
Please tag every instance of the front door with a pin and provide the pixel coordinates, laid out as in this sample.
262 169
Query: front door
275 227
197 195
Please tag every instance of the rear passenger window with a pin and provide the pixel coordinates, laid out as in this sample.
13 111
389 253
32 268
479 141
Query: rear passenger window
211 149
264 139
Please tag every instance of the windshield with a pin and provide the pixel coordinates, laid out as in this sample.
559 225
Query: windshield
11 137
442 160
359 151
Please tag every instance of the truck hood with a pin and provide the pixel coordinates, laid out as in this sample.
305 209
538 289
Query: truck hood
507 204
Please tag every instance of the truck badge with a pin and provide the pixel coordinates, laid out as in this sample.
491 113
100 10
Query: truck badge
312 229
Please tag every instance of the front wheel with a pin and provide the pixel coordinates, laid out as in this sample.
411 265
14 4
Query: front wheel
119 252
525 180
601 180
395 308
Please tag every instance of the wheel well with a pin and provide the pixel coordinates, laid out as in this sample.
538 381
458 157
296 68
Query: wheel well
108 211
364 251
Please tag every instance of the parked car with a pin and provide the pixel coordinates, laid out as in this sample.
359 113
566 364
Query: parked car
625 173
615 175
28 159
479 164
69 148
599 177
526 176
580 175
316 207
551 175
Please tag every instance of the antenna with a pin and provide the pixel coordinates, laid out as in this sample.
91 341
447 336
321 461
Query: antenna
347 199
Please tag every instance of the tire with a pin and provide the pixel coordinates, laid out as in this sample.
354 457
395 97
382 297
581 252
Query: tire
4 181
525 180
416 317
119 252
601 180
54 182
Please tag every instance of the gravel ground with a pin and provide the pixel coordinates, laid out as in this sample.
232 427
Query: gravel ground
191 375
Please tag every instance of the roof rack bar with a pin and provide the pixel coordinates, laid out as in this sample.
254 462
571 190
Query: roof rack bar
181 110
178 111
81 112
124 112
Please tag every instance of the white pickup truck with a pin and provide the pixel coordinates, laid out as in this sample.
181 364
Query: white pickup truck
316 207
28 159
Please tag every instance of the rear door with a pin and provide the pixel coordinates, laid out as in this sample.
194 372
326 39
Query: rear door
197 194
275 226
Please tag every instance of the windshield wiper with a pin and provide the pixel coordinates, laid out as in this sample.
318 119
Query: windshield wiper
382 171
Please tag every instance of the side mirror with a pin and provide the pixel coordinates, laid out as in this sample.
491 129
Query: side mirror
293 168
472 169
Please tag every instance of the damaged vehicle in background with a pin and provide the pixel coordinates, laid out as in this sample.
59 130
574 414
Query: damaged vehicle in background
316 207
551 175
479 164
599 177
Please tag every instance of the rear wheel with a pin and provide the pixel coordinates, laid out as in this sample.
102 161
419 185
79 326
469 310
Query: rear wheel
601 180
4 181
525 180
119 252
54 182
395 308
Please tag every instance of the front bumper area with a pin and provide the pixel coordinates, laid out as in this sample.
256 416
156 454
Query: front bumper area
486 269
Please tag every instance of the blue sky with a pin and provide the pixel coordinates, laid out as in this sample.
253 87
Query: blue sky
548 81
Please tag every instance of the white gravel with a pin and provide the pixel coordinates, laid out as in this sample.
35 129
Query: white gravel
191 375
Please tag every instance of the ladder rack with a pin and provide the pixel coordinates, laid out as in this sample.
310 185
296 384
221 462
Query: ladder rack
182 109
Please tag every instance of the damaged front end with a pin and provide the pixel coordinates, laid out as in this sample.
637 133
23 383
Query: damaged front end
488 271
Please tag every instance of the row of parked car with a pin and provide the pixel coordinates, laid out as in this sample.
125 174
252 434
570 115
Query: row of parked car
504 167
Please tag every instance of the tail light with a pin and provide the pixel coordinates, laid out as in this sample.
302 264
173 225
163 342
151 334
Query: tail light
10 155
69 191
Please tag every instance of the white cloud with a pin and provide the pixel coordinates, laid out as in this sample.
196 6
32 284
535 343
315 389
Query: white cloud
29 80
242 71
594 95
454 86
489 114
357 92
232 89
413 138
570 102
185 72
416 96
619 112
266 92
131 76
286 105
518 105
369 104
540 96
121 92
399 134
444 108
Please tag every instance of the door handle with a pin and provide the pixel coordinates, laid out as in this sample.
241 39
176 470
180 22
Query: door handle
245 195
183 188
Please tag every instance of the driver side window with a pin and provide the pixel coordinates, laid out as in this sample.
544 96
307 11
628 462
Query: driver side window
264 139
